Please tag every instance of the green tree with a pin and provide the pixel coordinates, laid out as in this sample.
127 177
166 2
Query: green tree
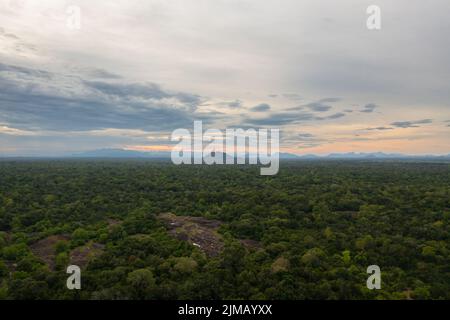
142 283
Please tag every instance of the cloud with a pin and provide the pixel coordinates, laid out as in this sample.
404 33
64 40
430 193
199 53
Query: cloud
46 101
15 132
379 128
331 117
318 107
129 78
369 108
285 118
410 124
3 33
22 71
208 116
304 140
13 44
297 108
235 104
305 135
143 91
261 107
103 74
279 119
330 100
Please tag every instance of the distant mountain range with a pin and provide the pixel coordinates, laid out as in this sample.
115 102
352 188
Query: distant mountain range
122 153
371 155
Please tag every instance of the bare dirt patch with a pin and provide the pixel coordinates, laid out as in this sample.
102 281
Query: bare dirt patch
408 292
200 232
45 249
80 256
113 222
251 244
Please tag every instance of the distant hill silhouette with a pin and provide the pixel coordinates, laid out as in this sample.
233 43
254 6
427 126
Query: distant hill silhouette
122 153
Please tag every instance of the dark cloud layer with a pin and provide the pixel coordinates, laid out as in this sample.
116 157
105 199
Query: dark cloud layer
22 71
144 91
33 104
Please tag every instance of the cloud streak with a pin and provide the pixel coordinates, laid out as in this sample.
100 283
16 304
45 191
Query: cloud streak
379 128
411 124
369 108
263 107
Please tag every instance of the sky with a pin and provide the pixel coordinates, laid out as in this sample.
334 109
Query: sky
134 71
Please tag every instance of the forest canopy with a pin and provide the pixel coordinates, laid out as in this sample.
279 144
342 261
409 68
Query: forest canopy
150 230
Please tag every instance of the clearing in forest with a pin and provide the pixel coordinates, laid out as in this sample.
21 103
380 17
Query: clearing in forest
80 256
45 249
200 232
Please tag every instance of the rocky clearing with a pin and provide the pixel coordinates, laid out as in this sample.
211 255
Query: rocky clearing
200 232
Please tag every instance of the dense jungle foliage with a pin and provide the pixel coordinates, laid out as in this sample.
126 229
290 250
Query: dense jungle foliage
315 228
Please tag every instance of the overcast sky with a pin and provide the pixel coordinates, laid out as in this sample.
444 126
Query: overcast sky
136 70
